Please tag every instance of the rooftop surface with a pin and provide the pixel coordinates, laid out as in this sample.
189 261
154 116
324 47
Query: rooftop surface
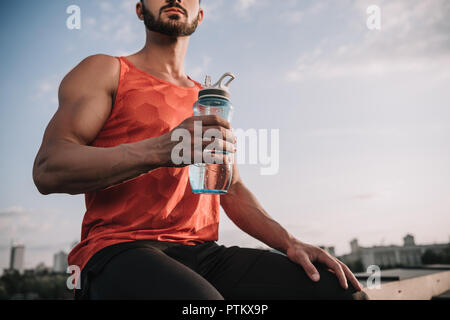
443 296
404 273
418 283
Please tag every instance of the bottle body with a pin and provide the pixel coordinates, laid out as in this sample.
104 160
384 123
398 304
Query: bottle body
211 178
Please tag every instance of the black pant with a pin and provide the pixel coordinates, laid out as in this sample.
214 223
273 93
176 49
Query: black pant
139 270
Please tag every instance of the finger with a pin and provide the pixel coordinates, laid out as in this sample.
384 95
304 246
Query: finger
336 267
219 132
350 276
213 120
309 268
218 158
219 146
206 154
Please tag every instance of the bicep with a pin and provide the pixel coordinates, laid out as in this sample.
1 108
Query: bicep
85 102
79 118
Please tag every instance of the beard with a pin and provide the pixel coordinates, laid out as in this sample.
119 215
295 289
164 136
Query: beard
174 27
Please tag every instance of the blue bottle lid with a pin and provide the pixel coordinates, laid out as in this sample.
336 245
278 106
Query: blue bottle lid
218 89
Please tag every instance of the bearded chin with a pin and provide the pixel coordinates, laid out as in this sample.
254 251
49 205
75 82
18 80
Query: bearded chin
172 28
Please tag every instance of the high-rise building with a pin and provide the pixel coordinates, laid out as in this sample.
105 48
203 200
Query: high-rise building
16 261
60 262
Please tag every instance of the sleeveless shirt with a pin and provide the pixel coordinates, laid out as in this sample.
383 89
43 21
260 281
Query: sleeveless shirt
158 205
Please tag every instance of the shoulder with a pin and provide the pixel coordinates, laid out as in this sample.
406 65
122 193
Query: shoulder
100 62
97 70
99 65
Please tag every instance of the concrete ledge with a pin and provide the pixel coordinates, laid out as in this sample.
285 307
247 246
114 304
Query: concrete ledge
420 288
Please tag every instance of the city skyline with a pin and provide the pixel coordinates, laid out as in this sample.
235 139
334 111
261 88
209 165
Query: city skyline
363 115
51 264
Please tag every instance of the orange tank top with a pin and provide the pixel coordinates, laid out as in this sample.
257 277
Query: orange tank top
158 205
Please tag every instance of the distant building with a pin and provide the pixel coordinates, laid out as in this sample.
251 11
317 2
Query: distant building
330 250
60 262
408 241
16 261
408 255
41 267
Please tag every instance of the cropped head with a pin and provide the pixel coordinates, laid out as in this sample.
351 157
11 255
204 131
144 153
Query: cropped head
175 18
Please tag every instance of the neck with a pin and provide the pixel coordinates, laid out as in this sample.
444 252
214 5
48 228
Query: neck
164 54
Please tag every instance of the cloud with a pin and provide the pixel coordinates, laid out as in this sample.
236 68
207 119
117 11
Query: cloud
212 9
364 196
296 16
13 211
42 231
106 6
47 88
414 38
242 7
199 72
33 226
114 23
245 4
405 131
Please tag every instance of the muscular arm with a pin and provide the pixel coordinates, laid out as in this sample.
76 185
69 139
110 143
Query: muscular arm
65 163
242 207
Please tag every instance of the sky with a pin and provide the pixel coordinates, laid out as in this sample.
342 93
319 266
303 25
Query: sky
363 115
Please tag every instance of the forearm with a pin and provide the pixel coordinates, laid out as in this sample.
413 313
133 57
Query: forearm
68 167
242 207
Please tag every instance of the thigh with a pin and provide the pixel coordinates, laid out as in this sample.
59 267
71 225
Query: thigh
148 273
267 275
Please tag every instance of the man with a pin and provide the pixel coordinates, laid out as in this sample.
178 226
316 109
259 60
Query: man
145 235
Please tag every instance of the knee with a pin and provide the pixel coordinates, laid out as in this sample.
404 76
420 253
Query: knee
201 293
329 287
360 295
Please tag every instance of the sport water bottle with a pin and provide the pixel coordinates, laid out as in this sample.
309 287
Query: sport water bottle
213 99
